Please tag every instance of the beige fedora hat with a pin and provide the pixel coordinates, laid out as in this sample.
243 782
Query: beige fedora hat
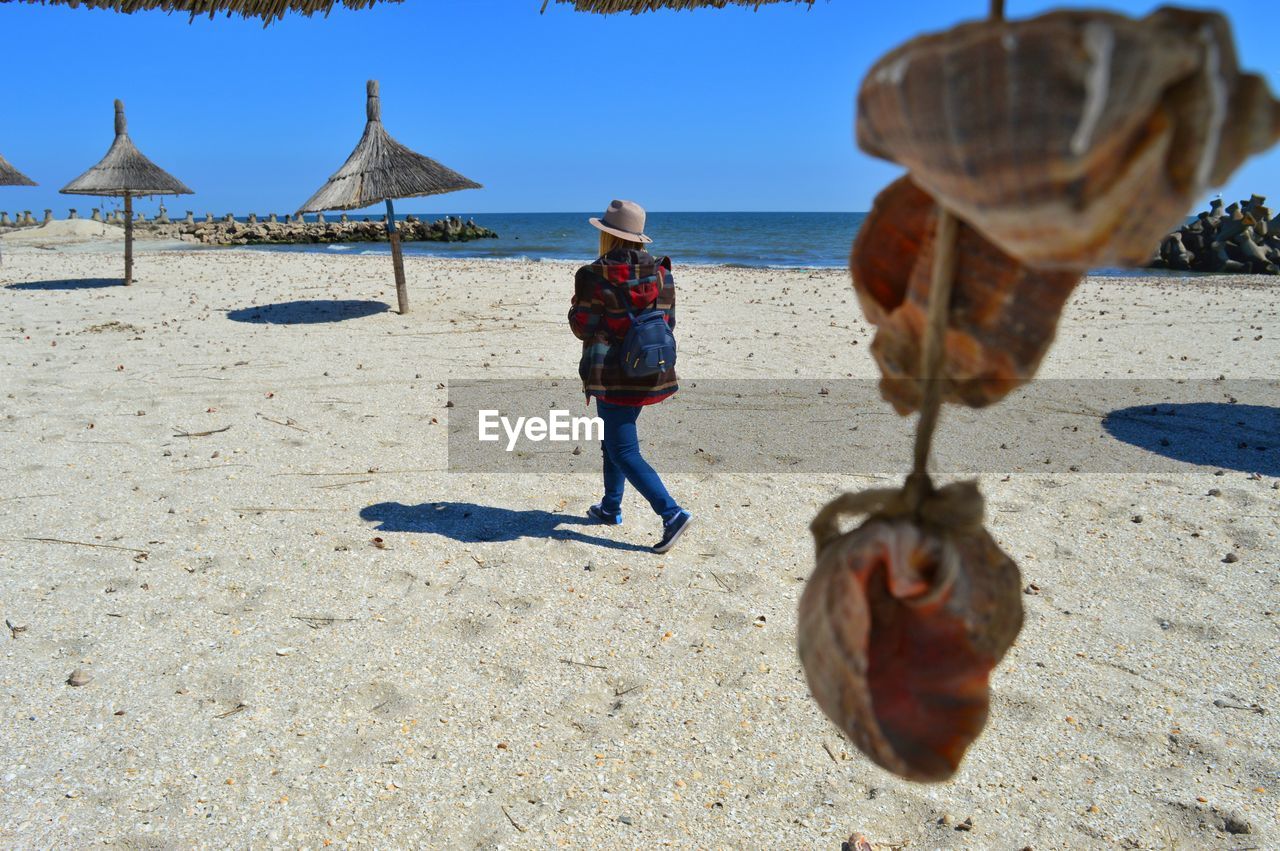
624 219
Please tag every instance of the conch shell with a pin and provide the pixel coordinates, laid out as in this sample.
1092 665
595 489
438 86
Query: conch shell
902 622
1076 139
1002 315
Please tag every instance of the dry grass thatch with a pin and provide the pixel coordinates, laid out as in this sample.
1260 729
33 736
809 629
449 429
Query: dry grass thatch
10 176
267 10
125 171
380 168
635 7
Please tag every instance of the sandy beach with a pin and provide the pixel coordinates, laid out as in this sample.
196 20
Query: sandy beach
227 503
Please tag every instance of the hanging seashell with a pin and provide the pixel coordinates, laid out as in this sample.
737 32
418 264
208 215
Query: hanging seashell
1002 316
1075 139
902 622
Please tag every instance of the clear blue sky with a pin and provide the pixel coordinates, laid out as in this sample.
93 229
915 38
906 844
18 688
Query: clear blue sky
723 109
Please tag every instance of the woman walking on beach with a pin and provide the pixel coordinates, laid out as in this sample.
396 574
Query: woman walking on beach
620 304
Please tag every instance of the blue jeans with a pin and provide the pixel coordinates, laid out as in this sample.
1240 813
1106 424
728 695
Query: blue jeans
623 463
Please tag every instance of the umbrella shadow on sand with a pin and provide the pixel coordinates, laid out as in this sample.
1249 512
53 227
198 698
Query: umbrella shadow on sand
1214 434
473 524
70 284
310 312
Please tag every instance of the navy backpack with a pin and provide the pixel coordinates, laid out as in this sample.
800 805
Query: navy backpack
649 348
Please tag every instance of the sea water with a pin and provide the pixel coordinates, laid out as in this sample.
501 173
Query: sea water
748 240
782 240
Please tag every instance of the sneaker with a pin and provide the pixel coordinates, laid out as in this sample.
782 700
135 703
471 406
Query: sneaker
672 531
599 515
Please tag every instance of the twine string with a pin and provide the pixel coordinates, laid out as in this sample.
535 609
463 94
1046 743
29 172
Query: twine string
918 487
931 357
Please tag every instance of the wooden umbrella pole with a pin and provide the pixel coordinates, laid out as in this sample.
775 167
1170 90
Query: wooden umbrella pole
397 259
128 239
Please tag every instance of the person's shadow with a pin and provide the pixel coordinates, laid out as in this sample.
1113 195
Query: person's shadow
472 524
309 312
1215 434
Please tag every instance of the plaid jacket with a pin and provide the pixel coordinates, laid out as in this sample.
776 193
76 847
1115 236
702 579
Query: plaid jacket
603 292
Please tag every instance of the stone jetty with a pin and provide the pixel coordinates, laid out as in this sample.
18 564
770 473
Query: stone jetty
292 230
276 229
1242 237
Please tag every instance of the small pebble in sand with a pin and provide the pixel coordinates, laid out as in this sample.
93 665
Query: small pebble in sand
967 824
1214 492
1137 518
1230 558
284 651
79 677
625 819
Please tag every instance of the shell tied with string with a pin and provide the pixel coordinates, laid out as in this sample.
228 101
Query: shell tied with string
1069 141
1035 150
381 169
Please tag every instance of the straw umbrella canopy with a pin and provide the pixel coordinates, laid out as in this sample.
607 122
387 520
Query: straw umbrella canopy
267 10
382 169
124 171
635 7
10 176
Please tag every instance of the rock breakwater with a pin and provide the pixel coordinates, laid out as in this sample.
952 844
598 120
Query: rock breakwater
1242 238
273 229
297 232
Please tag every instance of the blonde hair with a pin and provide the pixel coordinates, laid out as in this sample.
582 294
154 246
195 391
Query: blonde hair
609 241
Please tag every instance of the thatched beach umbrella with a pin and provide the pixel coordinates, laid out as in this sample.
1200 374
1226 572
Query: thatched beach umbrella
635 7
10 176
125 171
267 10
381 169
